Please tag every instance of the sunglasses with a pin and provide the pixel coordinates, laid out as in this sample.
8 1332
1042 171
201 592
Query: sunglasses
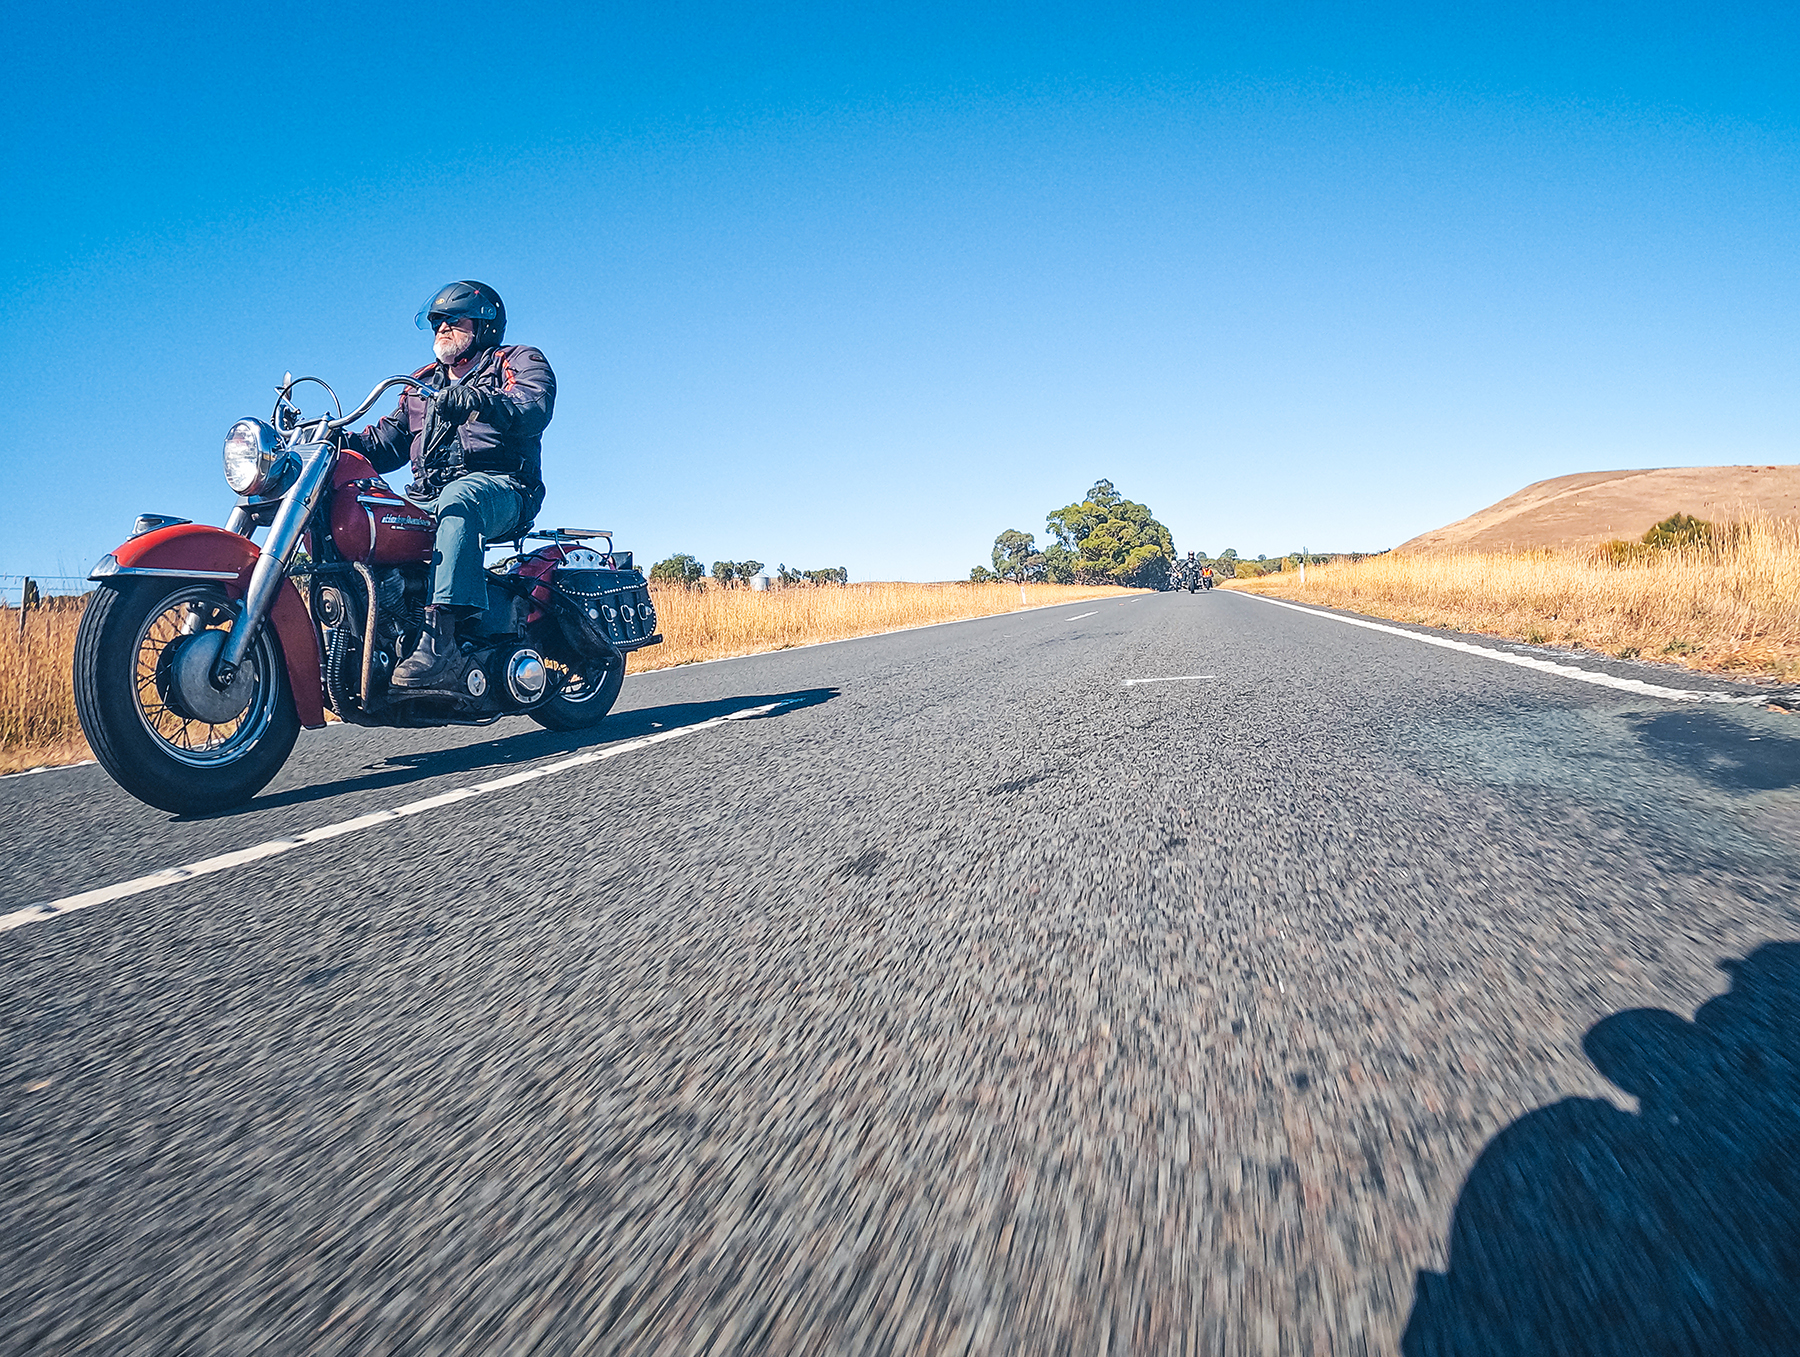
439 322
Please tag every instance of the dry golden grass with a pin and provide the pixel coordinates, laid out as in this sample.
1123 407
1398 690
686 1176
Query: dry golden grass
37 709
1733 605
706 624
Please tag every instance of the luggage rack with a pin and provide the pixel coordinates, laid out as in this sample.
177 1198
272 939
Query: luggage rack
562 536
571 535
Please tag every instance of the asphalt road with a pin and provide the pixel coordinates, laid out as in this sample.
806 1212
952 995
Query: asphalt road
974 1001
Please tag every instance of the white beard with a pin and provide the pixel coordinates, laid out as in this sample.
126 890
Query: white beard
451 347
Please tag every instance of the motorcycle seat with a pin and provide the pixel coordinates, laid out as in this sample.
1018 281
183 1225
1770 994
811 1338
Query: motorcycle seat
513 537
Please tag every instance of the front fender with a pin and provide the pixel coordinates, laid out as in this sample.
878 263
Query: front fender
199 551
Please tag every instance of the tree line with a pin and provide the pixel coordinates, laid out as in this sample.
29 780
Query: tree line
686 571
1102 539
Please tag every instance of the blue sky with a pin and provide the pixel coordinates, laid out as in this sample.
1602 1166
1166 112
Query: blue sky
840 285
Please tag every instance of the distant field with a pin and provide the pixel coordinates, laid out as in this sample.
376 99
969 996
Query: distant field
1733 606
37 708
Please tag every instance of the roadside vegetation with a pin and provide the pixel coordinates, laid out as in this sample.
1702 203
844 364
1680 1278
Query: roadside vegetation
37 705
1103 539
37 646
686 570
1715 599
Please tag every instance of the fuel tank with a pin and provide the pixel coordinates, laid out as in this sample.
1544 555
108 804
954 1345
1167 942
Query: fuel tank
371 522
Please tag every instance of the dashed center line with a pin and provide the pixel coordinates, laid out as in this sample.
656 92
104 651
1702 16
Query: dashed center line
1172 678
1079 616
51 909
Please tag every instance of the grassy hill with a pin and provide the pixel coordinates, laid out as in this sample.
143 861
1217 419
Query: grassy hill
1591 507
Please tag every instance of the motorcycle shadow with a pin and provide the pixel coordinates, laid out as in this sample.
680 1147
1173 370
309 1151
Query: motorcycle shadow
1587 1229
530 746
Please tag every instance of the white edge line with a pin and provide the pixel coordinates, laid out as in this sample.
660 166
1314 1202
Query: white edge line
1079 616
1602 680
45 768
102 895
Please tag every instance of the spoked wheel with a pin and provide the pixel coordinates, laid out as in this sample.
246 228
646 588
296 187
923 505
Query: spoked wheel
155 721
583 695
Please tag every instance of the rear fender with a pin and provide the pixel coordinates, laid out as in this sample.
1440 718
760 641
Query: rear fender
199 551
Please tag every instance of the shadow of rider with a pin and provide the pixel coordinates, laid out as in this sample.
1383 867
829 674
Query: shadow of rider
1586 1230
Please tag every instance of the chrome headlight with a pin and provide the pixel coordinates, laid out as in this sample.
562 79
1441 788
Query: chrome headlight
252 453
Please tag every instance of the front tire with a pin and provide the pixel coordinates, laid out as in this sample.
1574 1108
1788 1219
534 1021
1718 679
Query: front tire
124 649
582 699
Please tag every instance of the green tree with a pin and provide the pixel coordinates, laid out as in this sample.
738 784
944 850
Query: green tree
1016 556
1679 530
1059 564
982 575
1108 539
680 569
749 570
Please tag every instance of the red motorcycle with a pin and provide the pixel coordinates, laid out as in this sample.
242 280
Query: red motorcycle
200 657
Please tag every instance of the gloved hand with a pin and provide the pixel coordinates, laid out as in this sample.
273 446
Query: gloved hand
454 404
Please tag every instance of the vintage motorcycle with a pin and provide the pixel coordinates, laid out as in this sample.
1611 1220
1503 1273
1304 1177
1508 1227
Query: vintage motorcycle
198 659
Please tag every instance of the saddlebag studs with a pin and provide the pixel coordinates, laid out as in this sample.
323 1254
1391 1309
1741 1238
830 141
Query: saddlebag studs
477 683
607 590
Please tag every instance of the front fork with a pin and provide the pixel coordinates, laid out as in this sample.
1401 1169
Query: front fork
316 463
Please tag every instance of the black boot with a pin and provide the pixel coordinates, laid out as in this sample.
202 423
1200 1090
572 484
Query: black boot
437 662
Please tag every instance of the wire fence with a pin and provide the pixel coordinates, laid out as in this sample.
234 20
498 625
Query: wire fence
20 590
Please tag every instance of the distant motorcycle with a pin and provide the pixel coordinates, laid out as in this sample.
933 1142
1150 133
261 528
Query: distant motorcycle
198 661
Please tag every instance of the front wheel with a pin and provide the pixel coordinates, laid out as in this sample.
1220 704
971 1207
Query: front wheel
151 718
583 696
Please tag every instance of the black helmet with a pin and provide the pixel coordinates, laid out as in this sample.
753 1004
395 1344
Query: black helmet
476 301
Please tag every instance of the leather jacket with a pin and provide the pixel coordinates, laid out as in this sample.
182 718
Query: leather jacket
506 439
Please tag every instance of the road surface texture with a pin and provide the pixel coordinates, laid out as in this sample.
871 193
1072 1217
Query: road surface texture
1347 999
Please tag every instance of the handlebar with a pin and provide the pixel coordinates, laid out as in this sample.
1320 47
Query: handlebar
375 395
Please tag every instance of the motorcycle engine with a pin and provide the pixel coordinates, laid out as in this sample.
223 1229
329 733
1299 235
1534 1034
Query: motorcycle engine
503 677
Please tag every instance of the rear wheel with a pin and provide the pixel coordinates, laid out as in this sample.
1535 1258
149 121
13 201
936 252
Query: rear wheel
150 717
583 696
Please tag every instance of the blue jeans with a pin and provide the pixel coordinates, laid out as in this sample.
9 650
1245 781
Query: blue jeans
473 507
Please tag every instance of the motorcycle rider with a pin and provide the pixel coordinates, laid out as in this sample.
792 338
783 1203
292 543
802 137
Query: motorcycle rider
476 450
